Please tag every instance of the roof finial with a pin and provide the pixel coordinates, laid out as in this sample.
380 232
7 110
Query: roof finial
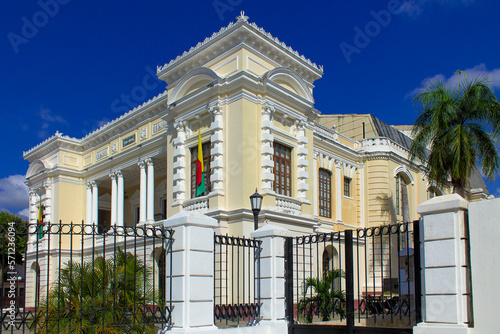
242 17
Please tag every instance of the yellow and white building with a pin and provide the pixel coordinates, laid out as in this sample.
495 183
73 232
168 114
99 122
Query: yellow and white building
251 97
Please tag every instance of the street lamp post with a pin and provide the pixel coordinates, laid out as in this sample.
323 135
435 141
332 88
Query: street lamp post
256 201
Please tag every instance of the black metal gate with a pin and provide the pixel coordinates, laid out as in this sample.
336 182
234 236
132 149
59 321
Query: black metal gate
77 278
354 281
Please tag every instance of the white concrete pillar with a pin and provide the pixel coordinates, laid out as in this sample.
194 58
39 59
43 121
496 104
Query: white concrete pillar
95 203
272 275
120 197
339 186
88 216
114 197
143 194
444 300
151 192
192 272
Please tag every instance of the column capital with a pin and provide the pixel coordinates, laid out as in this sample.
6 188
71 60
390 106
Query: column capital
94 184
119 174
142 164
112 176
268 109
180 126
215 110
149 161
338 164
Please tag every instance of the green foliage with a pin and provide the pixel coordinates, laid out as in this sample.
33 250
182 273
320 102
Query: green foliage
461 126
8 221
105 296
325 299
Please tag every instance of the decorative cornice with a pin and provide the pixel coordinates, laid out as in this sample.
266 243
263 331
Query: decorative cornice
233 26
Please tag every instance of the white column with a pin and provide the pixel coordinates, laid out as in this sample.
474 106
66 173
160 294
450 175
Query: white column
95 203
272 276
120 197
339 187
47 203
114 204
315 181
143 194
217 151
179 179
443 249
267 151
151 191
33 211
88 217
302 162
361 195
33 214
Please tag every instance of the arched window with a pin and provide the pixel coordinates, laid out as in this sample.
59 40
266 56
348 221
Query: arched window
325 193
326 261
36 271
433 192
161 262
402 203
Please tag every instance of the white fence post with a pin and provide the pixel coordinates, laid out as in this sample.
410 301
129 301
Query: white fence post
444 300
192 272
484 249
272 275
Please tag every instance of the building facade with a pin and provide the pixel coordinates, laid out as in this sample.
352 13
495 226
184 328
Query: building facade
250 97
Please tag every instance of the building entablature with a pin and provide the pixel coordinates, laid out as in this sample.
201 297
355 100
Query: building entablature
52 144
232 36
320 153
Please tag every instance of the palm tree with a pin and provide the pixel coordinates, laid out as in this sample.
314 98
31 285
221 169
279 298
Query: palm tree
462 127
105 296
325 300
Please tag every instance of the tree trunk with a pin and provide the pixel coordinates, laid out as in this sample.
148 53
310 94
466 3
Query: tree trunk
458 188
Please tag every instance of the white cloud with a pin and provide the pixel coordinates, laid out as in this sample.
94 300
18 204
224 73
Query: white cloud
13 193
25 213
48 118
493 76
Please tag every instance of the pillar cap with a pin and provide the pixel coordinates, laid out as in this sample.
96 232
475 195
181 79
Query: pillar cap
190 218
270 230
446 203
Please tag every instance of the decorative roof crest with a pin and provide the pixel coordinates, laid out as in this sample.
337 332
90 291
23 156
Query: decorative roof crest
242 17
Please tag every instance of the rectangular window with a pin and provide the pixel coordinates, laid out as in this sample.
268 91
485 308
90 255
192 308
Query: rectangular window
282 169
325 193
347 186
206 164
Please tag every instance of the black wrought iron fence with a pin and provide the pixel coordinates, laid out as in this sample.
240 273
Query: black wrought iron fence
80 280
365 278
236 284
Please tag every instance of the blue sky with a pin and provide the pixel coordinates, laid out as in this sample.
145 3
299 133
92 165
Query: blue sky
67 64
